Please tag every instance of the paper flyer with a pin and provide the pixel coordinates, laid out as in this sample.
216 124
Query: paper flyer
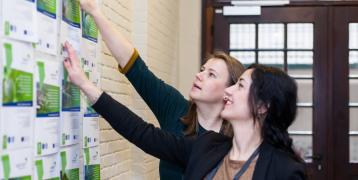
71 24
92 170
70 162
70 128
71 112
47 167
18 63
90 132
47 26
17 164
89 27
17 94
19 20
47 105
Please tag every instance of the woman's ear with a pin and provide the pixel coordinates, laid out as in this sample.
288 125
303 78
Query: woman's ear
262 108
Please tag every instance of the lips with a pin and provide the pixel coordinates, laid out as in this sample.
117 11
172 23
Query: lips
196 86
227 101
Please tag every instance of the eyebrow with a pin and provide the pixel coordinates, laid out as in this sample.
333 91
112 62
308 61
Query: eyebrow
211 69
242 79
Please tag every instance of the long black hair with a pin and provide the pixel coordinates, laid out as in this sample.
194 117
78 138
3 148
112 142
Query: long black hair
273 88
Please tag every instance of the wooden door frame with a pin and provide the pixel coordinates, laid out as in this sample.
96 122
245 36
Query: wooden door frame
340 71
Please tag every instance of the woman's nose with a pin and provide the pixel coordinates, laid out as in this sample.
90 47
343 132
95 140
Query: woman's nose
199 76
228 90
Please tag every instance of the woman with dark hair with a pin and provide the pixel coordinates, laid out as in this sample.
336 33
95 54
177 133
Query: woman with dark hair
174 112
260 107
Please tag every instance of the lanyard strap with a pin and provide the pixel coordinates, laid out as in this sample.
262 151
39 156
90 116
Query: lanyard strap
242 170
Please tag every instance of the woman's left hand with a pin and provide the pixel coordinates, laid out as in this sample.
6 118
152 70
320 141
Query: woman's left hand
73 67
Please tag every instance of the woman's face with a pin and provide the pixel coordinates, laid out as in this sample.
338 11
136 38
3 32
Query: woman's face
236 99
209 84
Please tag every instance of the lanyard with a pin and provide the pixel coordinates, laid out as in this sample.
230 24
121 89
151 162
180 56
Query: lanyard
242 170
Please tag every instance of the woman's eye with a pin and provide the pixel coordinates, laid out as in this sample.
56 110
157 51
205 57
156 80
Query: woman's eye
240 85
212 75
202 69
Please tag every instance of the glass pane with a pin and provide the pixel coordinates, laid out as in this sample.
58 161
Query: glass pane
353 35
353 119
353 63
353 148
300 63
353 90
242 36
245 57
271 58
303 121
271 36
305 90
303 145
300 36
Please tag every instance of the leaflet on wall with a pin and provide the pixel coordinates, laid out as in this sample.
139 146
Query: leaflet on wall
17 94
71 112
17 164
19 20
70 24
47 167
47 26
91 158
48 105
90 132
70 128
70 162
89 27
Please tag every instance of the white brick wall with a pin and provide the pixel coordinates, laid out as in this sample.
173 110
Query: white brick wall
152 26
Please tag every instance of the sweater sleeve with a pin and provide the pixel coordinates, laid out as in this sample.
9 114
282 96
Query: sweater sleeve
152 140
167 103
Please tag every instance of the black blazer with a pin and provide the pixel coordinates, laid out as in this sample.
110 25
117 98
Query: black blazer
197 155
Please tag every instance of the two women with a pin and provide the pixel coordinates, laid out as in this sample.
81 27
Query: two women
260 107
173 111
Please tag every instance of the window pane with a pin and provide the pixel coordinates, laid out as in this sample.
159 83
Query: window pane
271 36
242 36
353 35
353 90
303 121
353 148
353 63
303 145
353 119
245 57
271 58
300 63
305 90
300 36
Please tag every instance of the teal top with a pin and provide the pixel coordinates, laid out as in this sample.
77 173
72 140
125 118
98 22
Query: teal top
167 104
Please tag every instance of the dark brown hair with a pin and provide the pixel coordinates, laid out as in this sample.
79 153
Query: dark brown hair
277 92
235 69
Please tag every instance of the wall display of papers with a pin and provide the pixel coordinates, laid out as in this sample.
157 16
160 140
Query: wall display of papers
47 127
